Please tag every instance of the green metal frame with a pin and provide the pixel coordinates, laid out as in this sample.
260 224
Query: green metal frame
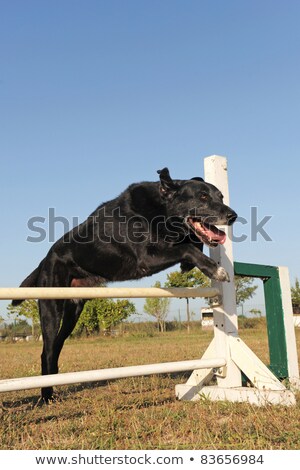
274 313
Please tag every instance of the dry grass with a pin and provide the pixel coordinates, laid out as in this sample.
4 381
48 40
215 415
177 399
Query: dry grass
136 413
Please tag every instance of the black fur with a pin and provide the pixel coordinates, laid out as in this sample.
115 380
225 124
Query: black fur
143 231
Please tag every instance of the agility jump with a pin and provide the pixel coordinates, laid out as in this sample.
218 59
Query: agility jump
227 356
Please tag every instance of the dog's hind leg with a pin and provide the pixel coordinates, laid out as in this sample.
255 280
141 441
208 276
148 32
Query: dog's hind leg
72 311
51 313
59 320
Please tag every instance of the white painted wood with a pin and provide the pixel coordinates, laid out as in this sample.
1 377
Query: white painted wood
257 372
190 392
197 379
292 355
9 293
247 394
225 317
266 387
197 376
26 383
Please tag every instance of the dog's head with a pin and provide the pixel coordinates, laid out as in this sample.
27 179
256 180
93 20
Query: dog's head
199 205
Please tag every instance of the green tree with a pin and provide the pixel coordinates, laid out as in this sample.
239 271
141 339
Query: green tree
158 308
114 312
103 314
28 309
88 320
255 311
295 292
193 278
243 289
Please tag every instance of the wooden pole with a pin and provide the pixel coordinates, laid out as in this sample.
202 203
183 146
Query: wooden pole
26 383
19 293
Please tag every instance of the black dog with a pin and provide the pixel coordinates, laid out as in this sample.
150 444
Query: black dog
151 226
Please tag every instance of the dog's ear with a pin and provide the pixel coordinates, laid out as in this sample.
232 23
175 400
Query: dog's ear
197 178
167 186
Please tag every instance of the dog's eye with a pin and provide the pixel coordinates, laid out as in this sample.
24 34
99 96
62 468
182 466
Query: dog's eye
203 197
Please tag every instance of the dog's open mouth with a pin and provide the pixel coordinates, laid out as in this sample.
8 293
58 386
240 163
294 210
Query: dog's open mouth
208 234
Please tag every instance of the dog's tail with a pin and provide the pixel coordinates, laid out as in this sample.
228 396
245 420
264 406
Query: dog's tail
30 281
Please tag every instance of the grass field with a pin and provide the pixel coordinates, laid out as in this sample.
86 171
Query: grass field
136 413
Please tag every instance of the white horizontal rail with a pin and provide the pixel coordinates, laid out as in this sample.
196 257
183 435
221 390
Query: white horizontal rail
19 293
26 383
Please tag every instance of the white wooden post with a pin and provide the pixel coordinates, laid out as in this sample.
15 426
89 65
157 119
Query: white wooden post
225 316
293 367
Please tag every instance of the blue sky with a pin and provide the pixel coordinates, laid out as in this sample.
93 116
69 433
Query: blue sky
95 95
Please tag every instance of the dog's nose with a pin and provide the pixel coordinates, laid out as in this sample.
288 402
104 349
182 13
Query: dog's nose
231 217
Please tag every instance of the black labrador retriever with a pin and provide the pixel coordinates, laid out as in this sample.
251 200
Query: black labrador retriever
151 226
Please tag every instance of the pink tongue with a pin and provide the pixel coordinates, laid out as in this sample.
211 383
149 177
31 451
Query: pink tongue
212 233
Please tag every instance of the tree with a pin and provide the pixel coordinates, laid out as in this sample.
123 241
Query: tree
295 292
103 314
243 288
192 278
158 308
114 312
28 309
88 320
256 311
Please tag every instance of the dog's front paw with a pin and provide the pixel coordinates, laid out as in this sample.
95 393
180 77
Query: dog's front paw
221 275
